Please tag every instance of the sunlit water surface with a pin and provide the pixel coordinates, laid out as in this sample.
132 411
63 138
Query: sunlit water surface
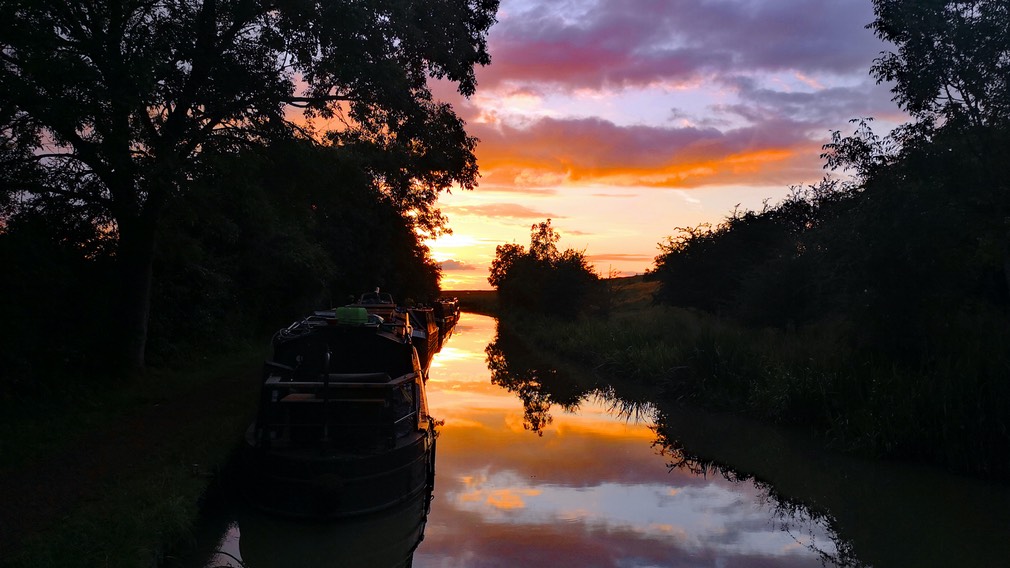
591 487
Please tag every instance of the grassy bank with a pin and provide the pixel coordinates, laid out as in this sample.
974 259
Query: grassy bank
115 478
477 301
953 410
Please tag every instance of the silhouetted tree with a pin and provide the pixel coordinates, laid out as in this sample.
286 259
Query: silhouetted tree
951 72
765 266
536 383
273 233
116 104
544 279
952 62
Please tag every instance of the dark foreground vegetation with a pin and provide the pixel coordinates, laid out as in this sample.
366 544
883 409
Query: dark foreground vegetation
478 301
544 279
268 234
158 178
164 203
874 309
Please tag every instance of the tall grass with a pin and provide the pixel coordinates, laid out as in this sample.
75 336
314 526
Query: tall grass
951 408
135 514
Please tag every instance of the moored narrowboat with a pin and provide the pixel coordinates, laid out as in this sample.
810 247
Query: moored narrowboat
342 427
424 335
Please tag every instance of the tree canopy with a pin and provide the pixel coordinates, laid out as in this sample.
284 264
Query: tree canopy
544 279
952 62
905 270
111 108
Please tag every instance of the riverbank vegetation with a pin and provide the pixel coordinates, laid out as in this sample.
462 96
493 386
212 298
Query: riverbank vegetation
873 308
160 180
813 378
478 301
165 203
544 279
117 477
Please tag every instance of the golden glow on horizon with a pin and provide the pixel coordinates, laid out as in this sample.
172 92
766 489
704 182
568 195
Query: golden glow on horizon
612 207
504 166
461 394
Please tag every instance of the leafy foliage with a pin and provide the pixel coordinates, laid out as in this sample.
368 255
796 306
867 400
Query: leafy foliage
543 279
952 64
756 264
909 265
115 109
301 225
267 235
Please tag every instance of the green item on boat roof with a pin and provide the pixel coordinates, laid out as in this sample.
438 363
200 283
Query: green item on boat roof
352 315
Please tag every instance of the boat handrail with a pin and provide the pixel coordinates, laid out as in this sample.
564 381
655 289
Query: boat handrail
360 377
342 380
404 417
279 366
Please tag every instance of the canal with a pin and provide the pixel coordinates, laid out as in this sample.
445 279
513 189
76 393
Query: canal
536 467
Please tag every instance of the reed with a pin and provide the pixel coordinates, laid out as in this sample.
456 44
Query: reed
951 407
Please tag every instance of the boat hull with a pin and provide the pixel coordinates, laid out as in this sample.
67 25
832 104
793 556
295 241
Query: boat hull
386 539
328 484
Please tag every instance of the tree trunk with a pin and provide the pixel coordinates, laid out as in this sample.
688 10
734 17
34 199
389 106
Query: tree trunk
1006 262
135 259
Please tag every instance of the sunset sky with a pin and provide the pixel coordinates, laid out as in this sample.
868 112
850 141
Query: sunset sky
621 120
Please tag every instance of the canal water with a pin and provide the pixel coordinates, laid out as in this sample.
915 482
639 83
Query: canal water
536 467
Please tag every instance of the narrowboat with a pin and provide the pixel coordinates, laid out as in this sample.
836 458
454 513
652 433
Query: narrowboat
342 427
424 335
446 315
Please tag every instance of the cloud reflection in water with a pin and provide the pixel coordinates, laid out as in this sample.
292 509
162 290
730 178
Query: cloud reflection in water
589 490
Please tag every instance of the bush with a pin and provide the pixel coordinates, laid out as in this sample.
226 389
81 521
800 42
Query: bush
544 280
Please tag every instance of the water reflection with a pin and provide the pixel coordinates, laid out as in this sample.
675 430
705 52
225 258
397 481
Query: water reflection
609 479
237 535
539 467
382 540
526 384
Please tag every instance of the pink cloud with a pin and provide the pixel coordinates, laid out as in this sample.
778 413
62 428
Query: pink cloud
766 135
456 265
608 43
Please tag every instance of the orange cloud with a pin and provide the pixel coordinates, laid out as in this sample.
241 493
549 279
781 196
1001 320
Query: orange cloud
596 151
510 498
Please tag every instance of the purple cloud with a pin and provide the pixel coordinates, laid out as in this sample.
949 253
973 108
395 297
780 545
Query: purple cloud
452 264
497 210
613 44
